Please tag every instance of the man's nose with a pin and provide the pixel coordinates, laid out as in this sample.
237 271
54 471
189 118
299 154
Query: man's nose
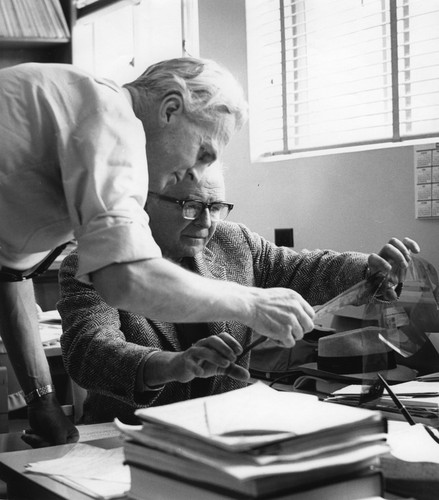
204 219
197 172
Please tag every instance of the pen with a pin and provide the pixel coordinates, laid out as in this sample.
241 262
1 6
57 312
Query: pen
397 402
250 347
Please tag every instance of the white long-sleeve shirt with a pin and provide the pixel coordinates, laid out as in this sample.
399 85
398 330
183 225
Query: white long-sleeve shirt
72 165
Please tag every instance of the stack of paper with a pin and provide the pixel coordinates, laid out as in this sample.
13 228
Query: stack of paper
251 442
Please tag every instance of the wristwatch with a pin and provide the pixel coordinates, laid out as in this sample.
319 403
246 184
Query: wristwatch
37 393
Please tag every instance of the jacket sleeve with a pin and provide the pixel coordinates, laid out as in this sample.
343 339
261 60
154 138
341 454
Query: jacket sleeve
318 275
96 353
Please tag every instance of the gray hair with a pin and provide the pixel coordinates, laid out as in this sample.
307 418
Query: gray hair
207 89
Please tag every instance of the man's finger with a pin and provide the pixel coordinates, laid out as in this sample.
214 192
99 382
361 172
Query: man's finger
235 371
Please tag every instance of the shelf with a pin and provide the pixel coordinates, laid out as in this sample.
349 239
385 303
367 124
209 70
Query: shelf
31 42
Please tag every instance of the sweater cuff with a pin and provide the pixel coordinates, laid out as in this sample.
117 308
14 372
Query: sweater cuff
140 384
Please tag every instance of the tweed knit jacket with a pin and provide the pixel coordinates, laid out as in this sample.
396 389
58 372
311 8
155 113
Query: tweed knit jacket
103 347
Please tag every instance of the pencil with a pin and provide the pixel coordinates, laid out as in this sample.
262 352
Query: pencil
397 402
250 347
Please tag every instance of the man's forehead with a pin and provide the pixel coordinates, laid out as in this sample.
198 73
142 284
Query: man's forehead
217 133
211 184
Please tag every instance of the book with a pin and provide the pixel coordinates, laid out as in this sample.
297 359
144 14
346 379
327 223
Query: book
9 18
251 480
23 15
54 7
33 19
5 29
148 484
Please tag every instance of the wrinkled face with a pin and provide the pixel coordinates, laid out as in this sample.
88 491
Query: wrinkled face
182 147
179 237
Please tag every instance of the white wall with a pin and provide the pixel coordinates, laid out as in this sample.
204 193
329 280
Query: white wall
349 201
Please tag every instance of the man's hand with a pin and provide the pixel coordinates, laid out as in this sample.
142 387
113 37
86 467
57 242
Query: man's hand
280 314
49 425
214 355
392 261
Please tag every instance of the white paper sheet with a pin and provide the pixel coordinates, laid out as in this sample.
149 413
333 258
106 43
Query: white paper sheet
95 471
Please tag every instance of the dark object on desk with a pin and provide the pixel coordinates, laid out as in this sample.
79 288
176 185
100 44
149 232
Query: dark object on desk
359 354
424 361
419 479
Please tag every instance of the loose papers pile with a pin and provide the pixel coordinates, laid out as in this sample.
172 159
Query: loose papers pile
97 472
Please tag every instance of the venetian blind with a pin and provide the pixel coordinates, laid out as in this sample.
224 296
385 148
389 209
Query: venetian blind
333 73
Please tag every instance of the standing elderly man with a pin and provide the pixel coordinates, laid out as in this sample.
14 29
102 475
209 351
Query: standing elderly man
126 361
78 155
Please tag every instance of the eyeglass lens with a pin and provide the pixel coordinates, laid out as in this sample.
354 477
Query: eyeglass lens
193 209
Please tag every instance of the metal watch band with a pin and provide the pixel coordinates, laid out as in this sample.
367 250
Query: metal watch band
37 393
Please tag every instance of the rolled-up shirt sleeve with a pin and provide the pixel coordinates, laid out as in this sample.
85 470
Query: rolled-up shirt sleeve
105 178
112 240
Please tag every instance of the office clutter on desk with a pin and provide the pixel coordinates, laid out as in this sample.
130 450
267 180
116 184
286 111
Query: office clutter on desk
409 328
255 443
420 398
50 329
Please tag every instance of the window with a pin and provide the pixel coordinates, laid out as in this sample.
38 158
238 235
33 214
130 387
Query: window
334 73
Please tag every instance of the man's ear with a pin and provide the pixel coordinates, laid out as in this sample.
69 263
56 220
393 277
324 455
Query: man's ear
170 107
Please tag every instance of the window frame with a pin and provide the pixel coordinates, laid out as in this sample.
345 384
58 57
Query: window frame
396 140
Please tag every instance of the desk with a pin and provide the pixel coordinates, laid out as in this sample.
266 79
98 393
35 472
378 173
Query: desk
22 486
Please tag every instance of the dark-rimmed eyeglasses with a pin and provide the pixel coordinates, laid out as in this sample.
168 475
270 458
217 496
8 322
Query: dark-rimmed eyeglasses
192 209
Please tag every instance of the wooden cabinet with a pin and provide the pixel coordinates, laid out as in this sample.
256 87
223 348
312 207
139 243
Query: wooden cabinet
121 40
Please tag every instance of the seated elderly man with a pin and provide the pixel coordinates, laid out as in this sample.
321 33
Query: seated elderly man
126 361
